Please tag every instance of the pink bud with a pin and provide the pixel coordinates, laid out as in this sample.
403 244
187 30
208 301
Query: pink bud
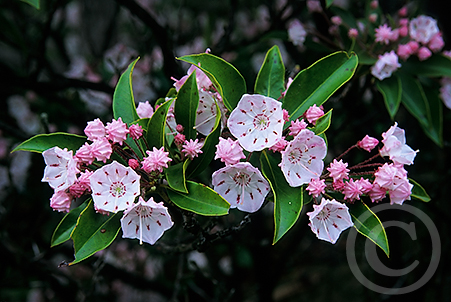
403 31
353 33
313 114
133 163
374 4
404 51
286 116
368 143
424 53
403 11
372 18
179 128
413 46
336 20
436 43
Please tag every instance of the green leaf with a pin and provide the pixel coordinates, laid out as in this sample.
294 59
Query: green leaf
323 123
203 160
41 142
156 127
94 232
437 65
369 225
201 200
329 3
436 110
175 175
186 106
271 77
419 192
416 102
67 225
287 200
318 82
391 90
226 78
34 3
123 101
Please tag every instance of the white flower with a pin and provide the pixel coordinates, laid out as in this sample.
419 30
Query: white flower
242 185
395 146
114 187
146 221
385 65
329 219
61 170
423 28
302 159
257 122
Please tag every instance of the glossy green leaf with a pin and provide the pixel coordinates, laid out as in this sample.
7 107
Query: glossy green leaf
156 127
94 232
315 84
203 160
329 3
419 192
67 225
226 78
437 65
34 3
201 200
369 225
41 142
186 105
271 77
123 101
391 90
323 123
436 109
416 102
175 175
287 200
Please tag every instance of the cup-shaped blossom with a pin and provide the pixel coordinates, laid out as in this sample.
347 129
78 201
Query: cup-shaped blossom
146 221
302 159
61 170
395 146
296 32
242 185
114 187
385 65
229 151
401 193
329 219
257 122
206 112
423 28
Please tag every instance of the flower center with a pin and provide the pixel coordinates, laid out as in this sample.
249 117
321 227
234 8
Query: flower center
241 179
117 189
261 121
295 156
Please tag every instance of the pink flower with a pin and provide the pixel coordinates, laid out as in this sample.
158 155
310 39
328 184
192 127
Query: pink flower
279 146
179 139
395 146
156 160
313 113
302 159
242 185
403 31
146 221
135 131
329 219
338 170
296 33
368 143
192 148
297 126
290 80
101 149
229 151
424 53
353 33
257 122
423 28
436 43
203 82
206 112
377 193
316 187
82 185
117 131
352 190
372 18
144 110
61 201
385 65
403 11
401 193
114 187
447 53
286 115
389 176
336 20
404 51
374 4
84 154
95 130
384 34
445 91
61 168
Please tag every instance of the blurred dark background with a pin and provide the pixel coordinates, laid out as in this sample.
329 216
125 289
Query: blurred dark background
58 68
